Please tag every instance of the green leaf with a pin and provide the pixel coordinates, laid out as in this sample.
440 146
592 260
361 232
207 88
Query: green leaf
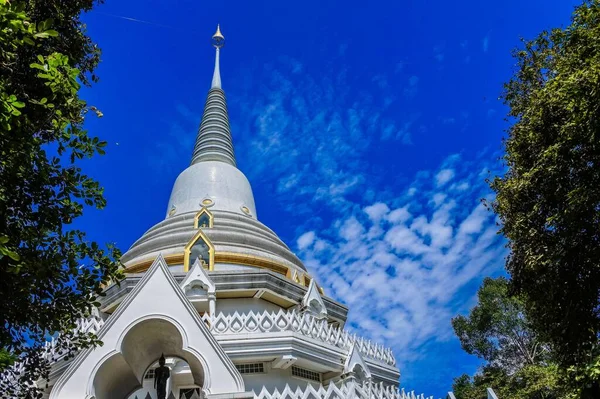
37 66
47 23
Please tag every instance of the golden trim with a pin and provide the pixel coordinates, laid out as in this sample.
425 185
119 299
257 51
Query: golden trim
251 260
223 257
200 213
307 280
211 250
145 264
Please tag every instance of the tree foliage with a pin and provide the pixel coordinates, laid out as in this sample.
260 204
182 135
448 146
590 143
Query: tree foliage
549 198
530 382
517 363
497 330
50 275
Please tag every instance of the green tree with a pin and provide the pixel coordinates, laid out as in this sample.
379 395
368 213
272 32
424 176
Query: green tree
50 275
548 200
517 364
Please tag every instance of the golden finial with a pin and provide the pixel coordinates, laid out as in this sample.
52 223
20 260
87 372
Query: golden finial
218 39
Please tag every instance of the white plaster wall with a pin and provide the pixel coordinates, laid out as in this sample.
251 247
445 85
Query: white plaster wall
176 268
223 183
245 305
232 266
274 378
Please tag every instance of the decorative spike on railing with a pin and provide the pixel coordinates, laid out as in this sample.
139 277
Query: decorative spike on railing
303 323
352 390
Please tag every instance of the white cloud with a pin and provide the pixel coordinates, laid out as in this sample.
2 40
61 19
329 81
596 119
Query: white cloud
444 176
297 138
406 257
485 43
305 240
405 271
351 229
377 211
399 215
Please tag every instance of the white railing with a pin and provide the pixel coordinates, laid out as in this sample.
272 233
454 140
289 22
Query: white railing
51 351
83 326
305 324
350 390
490 394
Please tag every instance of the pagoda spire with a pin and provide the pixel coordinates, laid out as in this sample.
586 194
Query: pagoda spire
218 42
213 142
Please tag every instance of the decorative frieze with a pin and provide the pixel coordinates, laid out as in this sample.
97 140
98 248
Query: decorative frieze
305 324
366 390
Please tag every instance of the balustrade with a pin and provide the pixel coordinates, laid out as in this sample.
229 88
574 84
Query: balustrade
351 390
303 323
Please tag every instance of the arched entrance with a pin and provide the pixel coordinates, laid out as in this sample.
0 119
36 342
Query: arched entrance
126 372
155 318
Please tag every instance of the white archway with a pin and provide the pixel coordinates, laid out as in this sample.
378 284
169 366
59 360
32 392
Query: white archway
140 346
155 318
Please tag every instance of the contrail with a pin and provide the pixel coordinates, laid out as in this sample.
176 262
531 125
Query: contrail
141 21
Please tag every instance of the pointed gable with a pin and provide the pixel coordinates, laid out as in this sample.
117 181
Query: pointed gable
155 317
355 360
312 301
198 275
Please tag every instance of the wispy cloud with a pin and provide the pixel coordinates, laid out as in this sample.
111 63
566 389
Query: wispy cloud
406 258
404 253
405 267
168 154
485 43
312 133
412 87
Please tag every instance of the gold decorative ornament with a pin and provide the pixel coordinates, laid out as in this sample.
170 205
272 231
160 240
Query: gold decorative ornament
252 260
144 265
224 257
218 39
246 210
172 210
207 202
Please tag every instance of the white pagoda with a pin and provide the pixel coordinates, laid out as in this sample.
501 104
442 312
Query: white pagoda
234 311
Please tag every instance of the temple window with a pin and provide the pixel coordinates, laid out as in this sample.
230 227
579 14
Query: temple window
149 375
199 250
306 374
203 219
199 247
251 368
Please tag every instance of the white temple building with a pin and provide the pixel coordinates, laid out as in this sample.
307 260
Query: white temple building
233 310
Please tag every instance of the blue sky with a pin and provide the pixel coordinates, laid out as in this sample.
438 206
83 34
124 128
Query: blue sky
366 129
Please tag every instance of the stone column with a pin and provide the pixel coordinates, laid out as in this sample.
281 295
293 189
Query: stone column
212 304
